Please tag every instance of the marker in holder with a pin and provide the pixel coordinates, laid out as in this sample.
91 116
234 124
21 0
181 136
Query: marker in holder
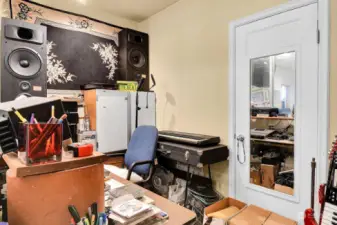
40 143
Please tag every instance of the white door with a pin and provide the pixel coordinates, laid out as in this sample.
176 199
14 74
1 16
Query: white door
276 64
112 121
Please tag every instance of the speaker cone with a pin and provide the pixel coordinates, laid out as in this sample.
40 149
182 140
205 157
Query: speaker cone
136 58
24 63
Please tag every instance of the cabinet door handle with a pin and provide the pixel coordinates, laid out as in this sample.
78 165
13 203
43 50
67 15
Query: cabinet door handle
240 139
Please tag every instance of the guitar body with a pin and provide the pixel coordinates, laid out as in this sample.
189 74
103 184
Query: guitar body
329 205
309 218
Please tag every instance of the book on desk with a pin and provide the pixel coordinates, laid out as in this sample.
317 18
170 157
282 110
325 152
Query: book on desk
127 204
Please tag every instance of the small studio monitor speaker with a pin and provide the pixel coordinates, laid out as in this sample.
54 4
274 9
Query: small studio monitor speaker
23 59
134 56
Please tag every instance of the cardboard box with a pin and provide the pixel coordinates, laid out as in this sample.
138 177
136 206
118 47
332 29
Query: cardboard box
252 215
284 189
255 177
268 175
224 208
275 219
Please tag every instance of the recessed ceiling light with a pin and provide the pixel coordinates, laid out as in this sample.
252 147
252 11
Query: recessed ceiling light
83 2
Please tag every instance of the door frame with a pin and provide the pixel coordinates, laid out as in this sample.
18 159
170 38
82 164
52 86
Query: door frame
323 85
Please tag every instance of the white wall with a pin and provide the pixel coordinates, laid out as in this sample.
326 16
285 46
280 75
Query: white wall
189 58
75 7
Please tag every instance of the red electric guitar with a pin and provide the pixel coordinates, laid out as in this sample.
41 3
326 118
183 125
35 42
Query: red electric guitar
328 214
309 216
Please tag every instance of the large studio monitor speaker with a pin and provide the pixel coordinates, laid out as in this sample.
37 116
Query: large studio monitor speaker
23 59
134 56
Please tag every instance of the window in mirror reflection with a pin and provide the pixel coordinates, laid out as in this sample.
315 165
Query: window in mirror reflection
272 122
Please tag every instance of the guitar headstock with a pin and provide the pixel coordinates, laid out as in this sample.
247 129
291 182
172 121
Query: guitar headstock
333 149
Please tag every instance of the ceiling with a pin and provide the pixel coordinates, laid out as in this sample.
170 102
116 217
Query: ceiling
136 10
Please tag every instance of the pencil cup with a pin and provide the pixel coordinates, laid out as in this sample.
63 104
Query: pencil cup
40 143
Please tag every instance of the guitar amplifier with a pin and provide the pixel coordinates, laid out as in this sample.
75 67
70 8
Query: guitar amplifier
193 155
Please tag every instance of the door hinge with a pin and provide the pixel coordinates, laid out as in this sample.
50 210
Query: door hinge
318 36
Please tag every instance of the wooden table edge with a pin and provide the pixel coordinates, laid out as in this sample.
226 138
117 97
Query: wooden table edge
155 197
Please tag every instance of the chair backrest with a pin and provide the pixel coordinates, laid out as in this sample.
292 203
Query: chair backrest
142 146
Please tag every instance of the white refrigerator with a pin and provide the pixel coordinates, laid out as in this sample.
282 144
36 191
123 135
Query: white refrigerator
116 116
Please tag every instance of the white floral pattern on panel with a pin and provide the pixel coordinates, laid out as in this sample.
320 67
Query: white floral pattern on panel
4 6
56 73
108 54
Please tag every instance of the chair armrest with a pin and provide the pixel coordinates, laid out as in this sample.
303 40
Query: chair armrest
133 165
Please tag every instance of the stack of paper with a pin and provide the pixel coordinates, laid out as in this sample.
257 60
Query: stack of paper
113 184
128 210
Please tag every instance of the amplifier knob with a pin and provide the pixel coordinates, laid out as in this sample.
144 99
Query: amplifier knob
187 155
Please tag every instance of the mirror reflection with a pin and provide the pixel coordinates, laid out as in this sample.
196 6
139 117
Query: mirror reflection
272 122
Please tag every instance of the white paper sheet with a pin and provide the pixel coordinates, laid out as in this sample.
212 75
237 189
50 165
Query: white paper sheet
114 184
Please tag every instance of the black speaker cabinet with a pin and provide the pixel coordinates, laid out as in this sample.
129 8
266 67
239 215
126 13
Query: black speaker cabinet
23 59
134 56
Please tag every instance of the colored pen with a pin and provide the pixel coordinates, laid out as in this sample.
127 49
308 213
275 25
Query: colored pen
23 120
89 212
93 219
94 212
32 118
88 217
38 125
53 111
63 117
73 212
105 218
85 221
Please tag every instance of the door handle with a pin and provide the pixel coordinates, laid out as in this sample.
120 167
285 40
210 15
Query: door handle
240 139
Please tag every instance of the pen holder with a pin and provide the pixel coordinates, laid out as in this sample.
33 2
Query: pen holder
40 143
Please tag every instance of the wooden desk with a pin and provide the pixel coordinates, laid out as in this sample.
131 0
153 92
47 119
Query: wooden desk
21 170
178 215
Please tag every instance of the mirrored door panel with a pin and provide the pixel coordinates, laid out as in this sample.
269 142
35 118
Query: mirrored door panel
272 122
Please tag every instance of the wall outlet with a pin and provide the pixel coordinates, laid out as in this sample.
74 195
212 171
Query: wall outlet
300 218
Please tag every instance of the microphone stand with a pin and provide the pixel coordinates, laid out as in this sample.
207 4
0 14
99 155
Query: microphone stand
137 109
140 84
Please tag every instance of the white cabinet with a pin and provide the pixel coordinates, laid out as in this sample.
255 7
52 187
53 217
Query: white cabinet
113 116
112 120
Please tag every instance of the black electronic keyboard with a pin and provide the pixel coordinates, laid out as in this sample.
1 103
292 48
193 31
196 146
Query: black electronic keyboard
188 138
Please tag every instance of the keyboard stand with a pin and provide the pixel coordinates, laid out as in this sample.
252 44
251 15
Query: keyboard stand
188 180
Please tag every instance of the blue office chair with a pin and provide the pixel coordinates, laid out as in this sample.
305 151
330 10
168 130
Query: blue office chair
139 157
